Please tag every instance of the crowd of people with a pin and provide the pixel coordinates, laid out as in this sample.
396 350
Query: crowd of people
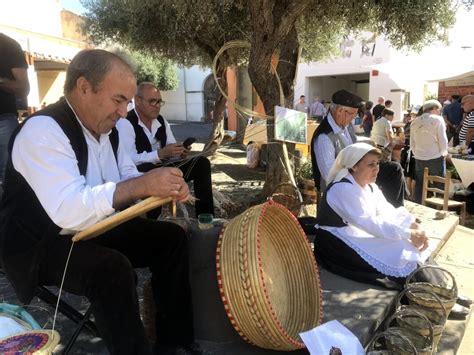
77 161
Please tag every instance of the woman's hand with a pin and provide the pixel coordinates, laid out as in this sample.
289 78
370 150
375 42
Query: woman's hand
419 239
415 225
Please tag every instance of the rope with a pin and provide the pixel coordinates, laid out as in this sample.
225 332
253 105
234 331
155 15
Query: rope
61 289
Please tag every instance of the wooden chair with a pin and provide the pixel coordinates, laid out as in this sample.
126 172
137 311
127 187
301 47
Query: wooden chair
440 202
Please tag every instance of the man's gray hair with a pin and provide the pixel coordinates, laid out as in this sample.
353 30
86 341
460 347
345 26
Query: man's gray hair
430 105
333 107
143 85
93 65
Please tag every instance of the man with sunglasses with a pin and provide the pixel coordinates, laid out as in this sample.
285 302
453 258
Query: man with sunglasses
148 139
335 133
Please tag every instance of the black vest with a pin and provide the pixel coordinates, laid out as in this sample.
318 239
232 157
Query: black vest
25 228
141 140
326 215
325 128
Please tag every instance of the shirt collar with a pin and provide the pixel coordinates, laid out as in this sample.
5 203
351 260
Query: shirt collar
84 128
335 128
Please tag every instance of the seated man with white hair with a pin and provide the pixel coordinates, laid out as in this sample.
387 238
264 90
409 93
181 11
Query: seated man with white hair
335 133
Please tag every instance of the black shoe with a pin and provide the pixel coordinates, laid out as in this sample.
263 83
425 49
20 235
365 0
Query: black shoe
458 312
464 301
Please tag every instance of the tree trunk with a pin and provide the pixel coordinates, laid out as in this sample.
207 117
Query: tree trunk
273 32
217 134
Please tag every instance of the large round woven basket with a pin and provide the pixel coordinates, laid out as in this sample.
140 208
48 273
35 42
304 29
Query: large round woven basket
37 342
268 278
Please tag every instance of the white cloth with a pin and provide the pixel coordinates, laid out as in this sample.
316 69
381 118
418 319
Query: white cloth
378 232
324 148
380 130
428 138
347 158
43 155
127 138
317 109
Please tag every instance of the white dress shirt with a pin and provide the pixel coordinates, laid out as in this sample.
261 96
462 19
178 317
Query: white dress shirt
317 109
324 148
43 155
379 132
127 138
376 230
428 138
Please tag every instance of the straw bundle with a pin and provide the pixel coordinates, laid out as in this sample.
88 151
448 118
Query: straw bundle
268 278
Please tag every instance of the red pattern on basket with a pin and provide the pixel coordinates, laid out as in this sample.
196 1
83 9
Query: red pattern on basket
221 289
24 343
245 276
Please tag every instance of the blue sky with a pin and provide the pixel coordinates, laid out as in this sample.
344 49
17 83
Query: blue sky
73 5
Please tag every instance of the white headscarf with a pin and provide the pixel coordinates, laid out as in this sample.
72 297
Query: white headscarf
346 159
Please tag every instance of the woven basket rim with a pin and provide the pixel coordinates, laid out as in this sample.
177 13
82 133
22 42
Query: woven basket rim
274 318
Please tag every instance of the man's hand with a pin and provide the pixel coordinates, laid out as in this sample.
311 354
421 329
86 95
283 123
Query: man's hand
185 153
160 182
164 182
171 150
419 239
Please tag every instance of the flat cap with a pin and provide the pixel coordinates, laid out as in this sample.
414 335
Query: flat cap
346 98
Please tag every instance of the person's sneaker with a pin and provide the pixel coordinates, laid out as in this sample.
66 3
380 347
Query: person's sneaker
458 312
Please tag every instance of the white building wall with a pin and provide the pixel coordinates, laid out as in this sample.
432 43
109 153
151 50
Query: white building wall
41 16
399 72
186 103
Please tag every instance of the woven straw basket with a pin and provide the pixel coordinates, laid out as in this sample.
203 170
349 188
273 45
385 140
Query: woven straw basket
447 296
391 336
37 342
418 325
287 195
415 326
268 278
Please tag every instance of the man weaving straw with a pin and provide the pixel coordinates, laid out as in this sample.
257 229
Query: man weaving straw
66 172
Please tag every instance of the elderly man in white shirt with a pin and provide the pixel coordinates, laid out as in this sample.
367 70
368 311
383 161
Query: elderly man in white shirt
148 139
429 144
335 133
67 171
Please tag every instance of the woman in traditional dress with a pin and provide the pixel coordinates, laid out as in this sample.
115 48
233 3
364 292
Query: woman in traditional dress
359 234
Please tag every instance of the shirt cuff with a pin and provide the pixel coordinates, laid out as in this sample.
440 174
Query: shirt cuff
406 233
105 199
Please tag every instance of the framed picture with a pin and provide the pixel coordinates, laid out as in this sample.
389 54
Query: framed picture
290 125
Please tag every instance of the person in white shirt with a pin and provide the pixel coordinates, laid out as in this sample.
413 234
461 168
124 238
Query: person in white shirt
382 133
301 105
359 234
148 139
429 144
67 170
335 133
317 110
